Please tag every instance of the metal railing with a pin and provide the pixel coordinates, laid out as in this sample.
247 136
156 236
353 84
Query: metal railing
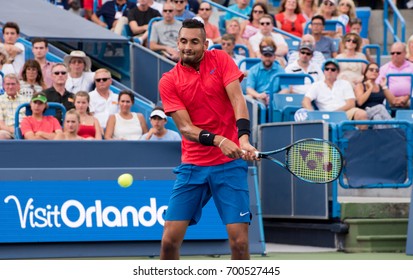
394 30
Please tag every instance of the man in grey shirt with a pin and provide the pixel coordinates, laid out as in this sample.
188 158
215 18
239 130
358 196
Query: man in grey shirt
323 44
164 34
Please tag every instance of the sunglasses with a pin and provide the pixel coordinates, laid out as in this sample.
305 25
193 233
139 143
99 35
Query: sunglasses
330 69
354 41
305 53
258 12
168 11
98 80
204 9
269 54
328 3
397 53
374 70
181 2
265 23
60 73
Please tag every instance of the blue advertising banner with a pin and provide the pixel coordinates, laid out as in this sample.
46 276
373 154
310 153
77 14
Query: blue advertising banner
100 210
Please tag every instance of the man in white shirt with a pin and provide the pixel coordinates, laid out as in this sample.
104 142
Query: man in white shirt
103 102
332 94
266 30
317 57
305 65
15 50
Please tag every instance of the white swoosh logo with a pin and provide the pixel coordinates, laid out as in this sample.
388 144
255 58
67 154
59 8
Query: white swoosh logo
243 214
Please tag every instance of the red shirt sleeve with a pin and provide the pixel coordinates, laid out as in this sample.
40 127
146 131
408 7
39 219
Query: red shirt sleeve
230 71
170 100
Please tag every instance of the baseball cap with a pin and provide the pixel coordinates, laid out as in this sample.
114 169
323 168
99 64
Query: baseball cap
307 46
331 61
267 50
39 97
158 113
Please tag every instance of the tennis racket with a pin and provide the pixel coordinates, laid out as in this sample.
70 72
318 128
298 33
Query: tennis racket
312 160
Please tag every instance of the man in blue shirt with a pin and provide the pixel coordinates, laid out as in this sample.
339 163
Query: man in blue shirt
261 82
114 14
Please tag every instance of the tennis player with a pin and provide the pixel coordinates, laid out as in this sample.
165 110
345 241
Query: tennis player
202 94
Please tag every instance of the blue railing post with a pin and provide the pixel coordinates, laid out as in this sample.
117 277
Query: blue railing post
397 16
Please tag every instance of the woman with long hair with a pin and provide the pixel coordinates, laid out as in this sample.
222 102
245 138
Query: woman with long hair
351 71
347 8
125 125
89 127
31 78
290 18
251 26
71 127
370 96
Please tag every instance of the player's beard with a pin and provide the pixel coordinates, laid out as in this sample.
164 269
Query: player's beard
193 60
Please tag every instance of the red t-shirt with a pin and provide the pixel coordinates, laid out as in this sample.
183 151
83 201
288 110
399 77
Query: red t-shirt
295 28
48 124
202 93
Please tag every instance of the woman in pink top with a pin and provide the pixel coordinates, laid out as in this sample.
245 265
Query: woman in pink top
251 26
290 18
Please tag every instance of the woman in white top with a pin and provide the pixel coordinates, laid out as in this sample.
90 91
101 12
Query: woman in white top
125 125
79 77
31 78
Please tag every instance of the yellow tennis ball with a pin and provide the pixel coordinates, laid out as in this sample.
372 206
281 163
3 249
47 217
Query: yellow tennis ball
125 180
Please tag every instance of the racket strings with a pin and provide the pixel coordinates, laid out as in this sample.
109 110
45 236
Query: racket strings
314 161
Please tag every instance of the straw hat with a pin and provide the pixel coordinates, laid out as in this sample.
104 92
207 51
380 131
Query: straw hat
78 54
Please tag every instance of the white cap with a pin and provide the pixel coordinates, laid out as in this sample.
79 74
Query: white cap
158 113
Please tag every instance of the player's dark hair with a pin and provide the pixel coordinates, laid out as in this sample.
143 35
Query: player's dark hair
194 24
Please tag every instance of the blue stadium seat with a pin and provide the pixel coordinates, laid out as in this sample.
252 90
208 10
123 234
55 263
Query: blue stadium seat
404 115
249 62
286 79
330 117
364 13
292 44
285 106
50 111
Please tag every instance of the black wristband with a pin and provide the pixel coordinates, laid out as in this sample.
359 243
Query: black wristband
243 127
206 138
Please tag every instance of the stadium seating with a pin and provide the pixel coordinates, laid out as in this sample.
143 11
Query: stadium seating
285 106
50 111
405 115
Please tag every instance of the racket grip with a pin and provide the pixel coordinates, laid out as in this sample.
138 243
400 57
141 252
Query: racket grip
257 154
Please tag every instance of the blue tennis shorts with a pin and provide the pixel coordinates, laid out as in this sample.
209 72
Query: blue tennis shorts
195 185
